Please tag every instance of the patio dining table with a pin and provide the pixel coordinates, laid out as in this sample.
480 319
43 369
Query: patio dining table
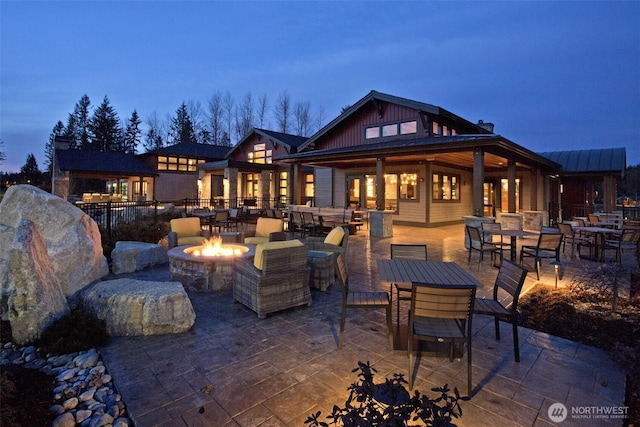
514 235
408 271
600 234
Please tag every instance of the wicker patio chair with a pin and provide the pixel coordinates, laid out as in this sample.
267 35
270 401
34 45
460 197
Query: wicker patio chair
186 231
336 241
277 278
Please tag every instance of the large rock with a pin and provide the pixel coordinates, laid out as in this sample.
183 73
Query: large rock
133 307
37 299
128 257
72 238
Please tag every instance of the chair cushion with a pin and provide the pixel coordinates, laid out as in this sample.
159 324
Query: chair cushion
335 236
185 227
266 226
255 240
191 240
259 256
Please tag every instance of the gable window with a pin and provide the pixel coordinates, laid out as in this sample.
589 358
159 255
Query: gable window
391 129
445 188
260 154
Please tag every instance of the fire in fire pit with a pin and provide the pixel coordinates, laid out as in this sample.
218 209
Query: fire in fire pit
206 267
214 248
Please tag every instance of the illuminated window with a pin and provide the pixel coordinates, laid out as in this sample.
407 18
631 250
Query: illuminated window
183 164
504 195
435 129
308 185
445 187
282 186
408 186
391 129
260 154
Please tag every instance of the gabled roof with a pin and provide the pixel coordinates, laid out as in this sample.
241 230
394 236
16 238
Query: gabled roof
193 149
102 162
373 96
595 161
290 142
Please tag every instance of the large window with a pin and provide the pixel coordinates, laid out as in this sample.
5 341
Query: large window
408 189
308 185
504 195
260 154
282 186
397 187
176 163
391 129
445 188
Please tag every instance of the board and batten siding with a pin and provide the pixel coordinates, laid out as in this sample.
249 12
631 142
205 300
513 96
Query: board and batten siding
322 183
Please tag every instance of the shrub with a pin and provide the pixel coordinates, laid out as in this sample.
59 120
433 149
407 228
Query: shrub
390 404
77 331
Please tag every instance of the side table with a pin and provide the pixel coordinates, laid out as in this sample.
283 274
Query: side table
322 269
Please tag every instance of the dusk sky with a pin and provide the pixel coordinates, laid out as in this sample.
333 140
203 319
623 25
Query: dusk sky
550 75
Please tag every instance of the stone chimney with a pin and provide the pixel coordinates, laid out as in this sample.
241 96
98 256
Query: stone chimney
61 143
486 126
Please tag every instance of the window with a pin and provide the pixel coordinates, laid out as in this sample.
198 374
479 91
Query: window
372 132
391 129
282 187
174 163
408 186
260 154
445 187
407 128
308 185
504 195
250 184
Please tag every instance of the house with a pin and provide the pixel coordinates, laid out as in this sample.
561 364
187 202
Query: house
252 175
423 165
166 174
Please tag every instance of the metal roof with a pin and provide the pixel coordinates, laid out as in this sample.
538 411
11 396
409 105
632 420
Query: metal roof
595 160
102 162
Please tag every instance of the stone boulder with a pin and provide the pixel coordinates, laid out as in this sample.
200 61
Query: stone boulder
133 307
72 238
37 299
128 257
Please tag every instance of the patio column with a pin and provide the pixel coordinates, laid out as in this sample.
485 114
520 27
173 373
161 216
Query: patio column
511 179
478 181
295 184
231 186
380 202
609 196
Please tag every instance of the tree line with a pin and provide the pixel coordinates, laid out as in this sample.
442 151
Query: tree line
223 121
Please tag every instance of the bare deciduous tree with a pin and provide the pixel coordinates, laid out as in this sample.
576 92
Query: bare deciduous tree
216 118
302 116
263 107
227 106
283 112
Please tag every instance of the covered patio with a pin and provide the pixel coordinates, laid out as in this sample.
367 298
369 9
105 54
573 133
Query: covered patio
232 368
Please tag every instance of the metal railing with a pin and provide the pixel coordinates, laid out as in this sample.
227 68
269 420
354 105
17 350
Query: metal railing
252 203
109 214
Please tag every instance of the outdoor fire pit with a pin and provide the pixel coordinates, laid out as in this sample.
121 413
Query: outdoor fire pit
206 267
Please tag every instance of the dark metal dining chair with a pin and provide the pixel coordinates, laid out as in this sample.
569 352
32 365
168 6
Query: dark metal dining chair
510 280
405 251
477 243
548 247
441 314
360 300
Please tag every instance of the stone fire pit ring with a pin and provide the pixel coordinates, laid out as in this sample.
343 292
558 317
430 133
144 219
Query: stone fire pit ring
202 273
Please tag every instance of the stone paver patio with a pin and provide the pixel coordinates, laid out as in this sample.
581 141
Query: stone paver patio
233 369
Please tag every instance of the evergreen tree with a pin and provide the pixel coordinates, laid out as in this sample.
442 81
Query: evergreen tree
105 129
30 171
132 133
49 149
153 139
70 131
182 127
82 123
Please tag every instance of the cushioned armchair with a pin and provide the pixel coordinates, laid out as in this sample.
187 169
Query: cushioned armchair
336 241
276 279
264 228
186 231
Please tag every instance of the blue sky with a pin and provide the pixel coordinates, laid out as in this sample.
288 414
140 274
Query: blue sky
550 75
